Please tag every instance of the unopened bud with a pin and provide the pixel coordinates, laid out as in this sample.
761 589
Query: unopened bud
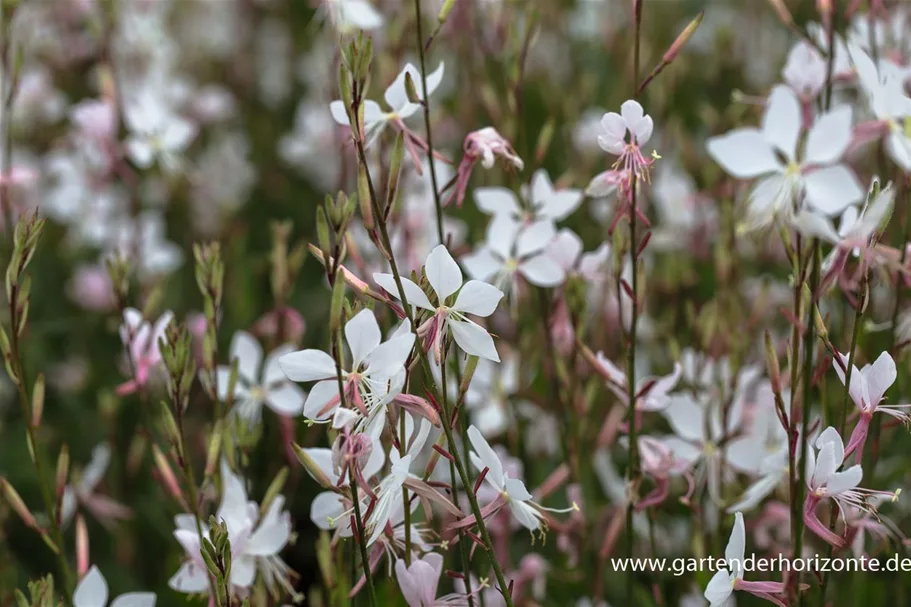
214 449
38 401
311 466
63 470
275 488
772 365
82 546
363 198
783 13
395 169
167 475
322 231
410 90
544 139
468 373
444 12
820 325
15 502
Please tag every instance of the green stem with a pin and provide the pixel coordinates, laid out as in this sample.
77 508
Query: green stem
426 103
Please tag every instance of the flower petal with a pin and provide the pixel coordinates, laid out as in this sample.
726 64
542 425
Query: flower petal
443 272
92 590
832 189
473 339
478 298
743 153
497 201
415 295
542 271
487 458
829 136
307 365
249 355
363 336
781 122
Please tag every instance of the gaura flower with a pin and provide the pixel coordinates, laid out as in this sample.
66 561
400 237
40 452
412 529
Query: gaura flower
511 250
83 492
255 541
252 389
825 481
474 297
727 580
92 591
544 202
419 582
805 71
350 15
156 132
624 134
483 145
400 108
375 375
511 491
141 341
746 153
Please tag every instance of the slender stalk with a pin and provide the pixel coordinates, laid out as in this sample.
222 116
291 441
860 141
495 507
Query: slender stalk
633 467
406 502
426 103
460 467
37 458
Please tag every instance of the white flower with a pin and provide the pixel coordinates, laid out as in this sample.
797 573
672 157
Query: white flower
252 389
400 108
566 250
367 380
869 385
823 477
255 542
474 297
348 15
511 490
142 342
746 153
92 591
156 132
488 394
512 248
544 201
389 499
886 95
805 70
632 119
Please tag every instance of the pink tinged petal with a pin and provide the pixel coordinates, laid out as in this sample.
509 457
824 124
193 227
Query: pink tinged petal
486 458
243 571
535 238
135 599
413 292
719 589
760 588
249 355
473 339
743 153
602 184
363 336
307 365
482 264
858 388
287 399
443 272
614 127
685 453
829 137
478 298
542 271
409 584
815 525
565 248
781 122
190 578
92 590
840 482
497 201
322 401
832 189
859 435
273 531
880 376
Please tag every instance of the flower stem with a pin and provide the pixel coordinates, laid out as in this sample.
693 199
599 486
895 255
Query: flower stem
632 475
425 101
460 468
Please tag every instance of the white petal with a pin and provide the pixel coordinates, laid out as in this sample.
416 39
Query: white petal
843 481
482 264
413 292
273 531
243 571
473 339
307 365
632 113
478 298
644 130
743 153
443 272
496 201
686 417
829 137
249 355
190 578
360 14
516 489
286 399
542 271
395 95
813 225
320 394
880 376
135 599
614 127
363 335
92 590
487 457
337 109
272 371
781 121
326 505
826 465
737 542
434 79
390 356
501 235
832 189
565 248
719 589
535 238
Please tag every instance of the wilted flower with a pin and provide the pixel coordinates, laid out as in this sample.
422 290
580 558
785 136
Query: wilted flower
484 145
